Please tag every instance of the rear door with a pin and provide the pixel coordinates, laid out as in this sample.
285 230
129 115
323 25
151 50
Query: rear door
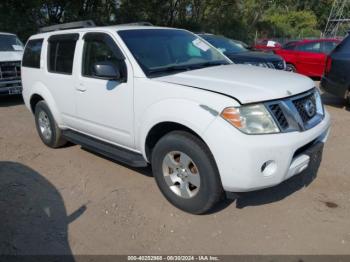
311 60
59 74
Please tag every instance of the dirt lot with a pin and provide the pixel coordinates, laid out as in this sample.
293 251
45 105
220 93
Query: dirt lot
72 201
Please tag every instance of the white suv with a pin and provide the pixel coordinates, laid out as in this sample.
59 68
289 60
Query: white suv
164 96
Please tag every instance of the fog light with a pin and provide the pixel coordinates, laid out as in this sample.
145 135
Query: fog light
269 168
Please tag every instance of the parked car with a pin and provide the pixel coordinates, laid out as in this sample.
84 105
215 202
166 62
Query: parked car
240 55
307 57
336 78
266 45
11 51
151 95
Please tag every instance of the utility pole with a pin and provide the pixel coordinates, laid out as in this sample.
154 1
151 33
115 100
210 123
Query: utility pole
336 18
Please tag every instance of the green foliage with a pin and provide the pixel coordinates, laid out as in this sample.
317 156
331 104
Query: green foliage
293 24
240 19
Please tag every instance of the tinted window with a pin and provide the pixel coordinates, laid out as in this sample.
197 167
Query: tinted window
32 53
168 50
61 53
314 47
100 48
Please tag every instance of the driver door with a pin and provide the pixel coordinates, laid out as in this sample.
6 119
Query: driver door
105 107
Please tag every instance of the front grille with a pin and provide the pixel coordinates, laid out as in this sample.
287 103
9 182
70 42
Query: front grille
297 113
10 71
300 106
279 116
278 65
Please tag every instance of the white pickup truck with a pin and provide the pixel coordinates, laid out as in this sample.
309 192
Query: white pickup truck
163 96
11 51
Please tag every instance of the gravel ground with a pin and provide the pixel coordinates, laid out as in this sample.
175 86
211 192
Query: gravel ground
70 201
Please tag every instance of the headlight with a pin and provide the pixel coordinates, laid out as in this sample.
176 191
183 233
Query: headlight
251 119
319 104
260 64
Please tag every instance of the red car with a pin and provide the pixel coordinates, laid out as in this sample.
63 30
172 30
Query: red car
307 57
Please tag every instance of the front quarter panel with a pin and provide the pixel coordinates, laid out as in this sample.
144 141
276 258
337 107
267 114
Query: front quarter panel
157 102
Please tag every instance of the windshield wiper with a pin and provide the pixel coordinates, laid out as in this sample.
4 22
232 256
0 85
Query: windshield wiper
169 69
173 69
208 64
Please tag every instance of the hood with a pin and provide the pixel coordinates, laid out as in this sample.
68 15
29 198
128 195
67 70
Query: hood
253 57
10 56
245 83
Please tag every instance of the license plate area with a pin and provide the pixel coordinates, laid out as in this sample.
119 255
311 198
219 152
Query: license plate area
15 90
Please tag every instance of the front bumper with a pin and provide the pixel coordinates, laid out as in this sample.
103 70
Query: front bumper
13 87
252 162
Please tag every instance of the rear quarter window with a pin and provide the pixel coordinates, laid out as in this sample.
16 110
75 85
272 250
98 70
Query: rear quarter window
32 53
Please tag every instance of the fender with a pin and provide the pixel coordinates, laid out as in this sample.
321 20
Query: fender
40 89
191 114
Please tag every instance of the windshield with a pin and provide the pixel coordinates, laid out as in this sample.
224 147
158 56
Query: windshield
170 50
10 43
224 44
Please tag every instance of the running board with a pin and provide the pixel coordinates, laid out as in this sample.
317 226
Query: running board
110 151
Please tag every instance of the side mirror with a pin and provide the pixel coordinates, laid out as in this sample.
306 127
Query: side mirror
106 70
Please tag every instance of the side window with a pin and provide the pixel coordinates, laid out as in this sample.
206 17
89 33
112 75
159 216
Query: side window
61 53
314 47
32 53
328 47
100 48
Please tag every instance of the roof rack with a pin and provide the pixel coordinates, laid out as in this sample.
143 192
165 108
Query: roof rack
137 23
65 26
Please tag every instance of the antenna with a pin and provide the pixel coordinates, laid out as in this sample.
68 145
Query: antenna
336 18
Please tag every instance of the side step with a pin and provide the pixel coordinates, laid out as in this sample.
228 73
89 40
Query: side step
111 151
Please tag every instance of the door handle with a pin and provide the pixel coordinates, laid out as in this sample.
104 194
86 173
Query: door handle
81 87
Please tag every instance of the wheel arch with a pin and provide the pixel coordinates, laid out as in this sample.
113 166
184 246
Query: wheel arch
41 93
161 129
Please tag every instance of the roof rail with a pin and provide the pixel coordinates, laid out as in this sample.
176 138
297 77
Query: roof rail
138 23
65 26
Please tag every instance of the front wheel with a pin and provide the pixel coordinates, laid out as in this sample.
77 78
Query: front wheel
186 173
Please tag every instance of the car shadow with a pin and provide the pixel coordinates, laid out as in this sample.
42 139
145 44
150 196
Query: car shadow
281 191
334 101
33 220
7 101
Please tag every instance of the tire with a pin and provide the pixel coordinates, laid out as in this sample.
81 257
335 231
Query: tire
347 97
47 127
291 68
174 150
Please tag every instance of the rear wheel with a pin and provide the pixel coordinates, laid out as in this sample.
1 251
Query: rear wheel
186 173
291 68
46 126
